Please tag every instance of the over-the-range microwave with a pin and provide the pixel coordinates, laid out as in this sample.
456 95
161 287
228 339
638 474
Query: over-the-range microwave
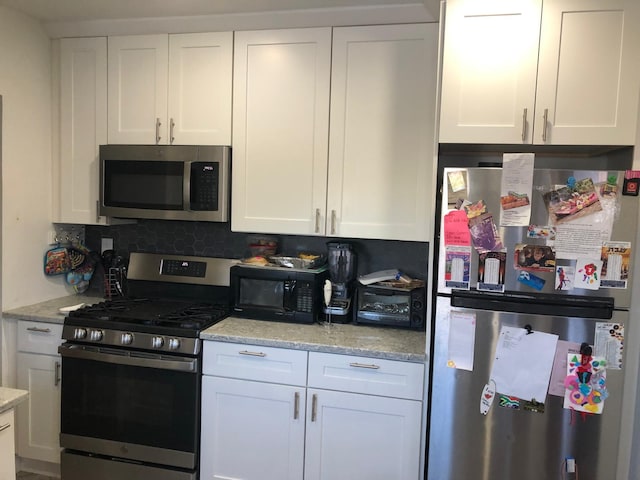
170 182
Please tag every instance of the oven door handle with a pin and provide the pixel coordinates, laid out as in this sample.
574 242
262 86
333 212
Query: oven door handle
129 358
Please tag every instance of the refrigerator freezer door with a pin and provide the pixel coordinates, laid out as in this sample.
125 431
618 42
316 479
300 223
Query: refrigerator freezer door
484 183
506 443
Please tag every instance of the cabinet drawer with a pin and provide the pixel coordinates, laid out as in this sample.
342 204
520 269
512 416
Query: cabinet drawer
374 376
254 362
39 337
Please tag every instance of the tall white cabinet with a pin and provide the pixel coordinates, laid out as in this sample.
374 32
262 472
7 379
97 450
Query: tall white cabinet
540 71
170 89
280 130
83 128
363 170
381 147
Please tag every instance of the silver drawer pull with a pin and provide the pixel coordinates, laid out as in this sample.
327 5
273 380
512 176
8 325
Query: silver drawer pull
39 330
364 365
253 354
4 427
314 407
296 405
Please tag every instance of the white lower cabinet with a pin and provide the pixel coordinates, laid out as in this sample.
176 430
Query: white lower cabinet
251 430
39 370
353 436
7 448
264 418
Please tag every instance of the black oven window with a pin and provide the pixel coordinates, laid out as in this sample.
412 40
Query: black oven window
138 405
261 293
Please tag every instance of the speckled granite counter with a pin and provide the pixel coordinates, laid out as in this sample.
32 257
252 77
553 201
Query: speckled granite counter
10 397
389 343
48 311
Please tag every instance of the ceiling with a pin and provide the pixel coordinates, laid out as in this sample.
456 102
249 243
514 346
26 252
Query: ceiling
82 10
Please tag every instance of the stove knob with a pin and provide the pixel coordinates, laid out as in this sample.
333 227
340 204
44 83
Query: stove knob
126 339
174 344
96 335
80 333
157 342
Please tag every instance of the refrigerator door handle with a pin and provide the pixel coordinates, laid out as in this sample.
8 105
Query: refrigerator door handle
540 304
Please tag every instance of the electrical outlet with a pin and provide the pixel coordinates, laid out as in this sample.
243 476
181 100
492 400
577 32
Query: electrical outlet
106 243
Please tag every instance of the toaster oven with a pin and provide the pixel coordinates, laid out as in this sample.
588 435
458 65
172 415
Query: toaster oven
394 305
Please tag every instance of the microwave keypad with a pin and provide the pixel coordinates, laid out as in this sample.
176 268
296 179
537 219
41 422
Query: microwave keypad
204 186
304 297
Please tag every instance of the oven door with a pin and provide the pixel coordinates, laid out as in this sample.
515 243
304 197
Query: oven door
132 405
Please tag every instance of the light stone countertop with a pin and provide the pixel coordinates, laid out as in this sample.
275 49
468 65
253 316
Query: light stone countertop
48 311
10 397
349 339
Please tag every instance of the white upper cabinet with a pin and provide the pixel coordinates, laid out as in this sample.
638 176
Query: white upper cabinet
588 73
280 130
363 173
541 72
138 89
200 82
173 89
83 127
381 144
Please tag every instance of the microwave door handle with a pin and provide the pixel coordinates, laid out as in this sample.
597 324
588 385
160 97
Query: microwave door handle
186 186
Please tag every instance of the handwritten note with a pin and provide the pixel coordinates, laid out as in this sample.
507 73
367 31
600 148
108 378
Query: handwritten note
456 229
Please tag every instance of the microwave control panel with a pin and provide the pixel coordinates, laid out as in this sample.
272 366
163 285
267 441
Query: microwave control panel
204 185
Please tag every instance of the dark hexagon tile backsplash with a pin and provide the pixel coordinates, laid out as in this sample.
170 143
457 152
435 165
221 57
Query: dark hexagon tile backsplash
217 240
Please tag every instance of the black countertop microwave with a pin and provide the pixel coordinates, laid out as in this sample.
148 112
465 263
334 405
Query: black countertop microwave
170 182
278 293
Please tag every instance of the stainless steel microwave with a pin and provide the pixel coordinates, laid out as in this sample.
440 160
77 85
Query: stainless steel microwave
171 182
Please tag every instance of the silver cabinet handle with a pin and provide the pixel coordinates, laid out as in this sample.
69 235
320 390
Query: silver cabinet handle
253 354
158 130
317 220
333 222
364 365
39 330
524 125
4 427
172 124
296 405
314 407
56 380
544 124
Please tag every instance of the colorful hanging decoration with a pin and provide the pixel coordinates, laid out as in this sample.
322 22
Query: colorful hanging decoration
586 381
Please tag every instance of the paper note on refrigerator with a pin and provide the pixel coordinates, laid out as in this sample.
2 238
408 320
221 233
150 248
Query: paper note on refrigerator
515 192
522 363
462 337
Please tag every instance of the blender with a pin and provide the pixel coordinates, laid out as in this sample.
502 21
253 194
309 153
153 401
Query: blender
342 272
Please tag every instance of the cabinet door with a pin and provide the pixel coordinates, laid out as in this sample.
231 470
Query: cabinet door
83 127
588 74
353 436
39 416
489 71
251 430
200 73
7 450
381 148
138 89
280 130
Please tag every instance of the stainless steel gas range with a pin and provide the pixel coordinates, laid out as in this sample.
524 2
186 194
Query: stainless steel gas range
131 372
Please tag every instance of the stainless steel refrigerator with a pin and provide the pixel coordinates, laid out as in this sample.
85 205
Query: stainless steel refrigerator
522 443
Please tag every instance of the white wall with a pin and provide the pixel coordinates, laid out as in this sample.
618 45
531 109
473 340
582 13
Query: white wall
25 84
